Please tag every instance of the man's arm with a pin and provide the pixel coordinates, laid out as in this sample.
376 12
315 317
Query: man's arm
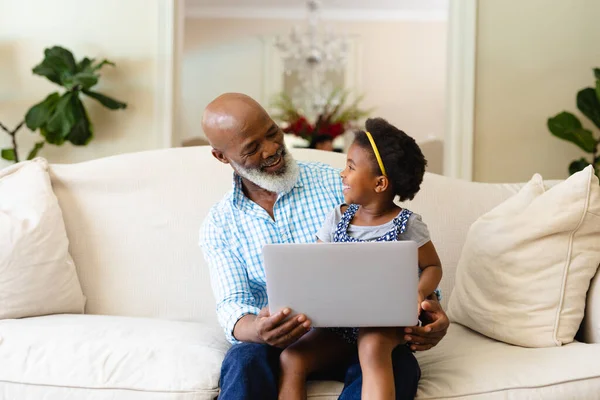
228 276
237 309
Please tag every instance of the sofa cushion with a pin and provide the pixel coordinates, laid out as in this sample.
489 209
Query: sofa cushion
526 265
102 357
466 364
37 274
590 328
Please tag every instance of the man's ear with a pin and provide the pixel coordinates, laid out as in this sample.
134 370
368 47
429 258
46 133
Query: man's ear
382 184
218 154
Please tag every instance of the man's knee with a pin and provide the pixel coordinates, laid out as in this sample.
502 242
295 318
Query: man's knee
406 372
250 357
250 371
404 359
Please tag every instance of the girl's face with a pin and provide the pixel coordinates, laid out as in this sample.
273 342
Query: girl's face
358 178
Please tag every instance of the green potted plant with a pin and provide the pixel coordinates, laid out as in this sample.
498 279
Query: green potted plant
568 127
61 118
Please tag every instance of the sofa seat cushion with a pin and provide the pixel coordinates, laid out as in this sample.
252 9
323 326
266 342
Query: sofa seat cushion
104 357
469 365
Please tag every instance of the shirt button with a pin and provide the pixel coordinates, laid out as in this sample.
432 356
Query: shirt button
284 236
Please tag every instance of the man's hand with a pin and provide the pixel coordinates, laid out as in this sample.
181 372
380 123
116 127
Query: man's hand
273 330
436 324
421 298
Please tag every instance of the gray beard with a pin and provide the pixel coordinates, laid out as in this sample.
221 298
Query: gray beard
275 183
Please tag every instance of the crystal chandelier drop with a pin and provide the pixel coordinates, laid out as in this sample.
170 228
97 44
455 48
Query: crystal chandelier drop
313 57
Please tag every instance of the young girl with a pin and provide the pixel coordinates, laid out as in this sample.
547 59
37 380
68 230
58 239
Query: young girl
383 163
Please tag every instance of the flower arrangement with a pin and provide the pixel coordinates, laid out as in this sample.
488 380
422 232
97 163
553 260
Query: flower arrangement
333 120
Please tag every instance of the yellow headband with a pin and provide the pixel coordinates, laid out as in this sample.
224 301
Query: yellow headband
379 161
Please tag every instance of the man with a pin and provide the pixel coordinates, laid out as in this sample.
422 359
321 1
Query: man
274 200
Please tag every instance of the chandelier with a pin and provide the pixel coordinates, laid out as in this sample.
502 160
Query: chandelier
313 57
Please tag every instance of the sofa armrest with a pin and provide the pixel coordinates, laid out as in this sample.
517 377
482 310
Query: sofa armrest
590 327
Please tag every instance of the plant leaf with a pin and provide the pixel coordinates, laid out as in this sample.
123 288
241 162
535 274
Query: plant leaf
589 105
33 153
597 73
62 120
87 65
84 79
8 154
598 89
568 127
105 100
84 65
65 56
102 64
52 137
578 165
82 131
39 114
58 65
47 71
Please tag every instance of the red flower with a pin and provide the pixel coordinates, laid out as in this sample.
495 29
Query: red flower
300 127
334 130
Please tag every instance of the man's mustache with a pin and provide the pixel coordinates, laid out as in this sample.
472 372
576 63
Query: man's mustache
269 161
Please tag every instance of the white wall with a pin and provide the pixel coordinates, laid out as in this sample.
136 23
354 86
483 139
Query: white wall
533 57
133 33
401 67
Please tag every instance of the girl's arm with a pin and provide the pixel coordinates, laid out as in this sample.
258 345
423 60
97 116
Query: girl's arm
431 270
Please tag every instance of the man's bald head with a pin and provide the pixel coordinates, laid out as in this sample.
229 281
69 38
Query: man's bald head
230 115
243 135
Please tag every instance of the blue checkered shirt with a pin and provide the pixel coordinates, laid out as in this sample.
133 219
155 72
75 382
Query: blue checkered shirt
236 229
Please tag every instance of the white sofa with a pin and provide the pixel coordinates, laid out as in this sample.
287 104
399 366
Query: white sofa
150 331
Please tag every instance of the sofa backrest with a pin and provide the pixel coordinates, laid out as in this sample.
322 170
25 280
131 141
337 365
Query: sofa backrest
133 223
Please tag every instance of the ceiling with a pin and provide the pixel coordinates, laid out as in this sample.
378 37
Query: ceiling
326 4
332 9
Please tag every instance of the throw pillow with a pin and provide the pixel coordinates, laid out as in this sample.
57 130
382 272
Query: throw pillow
527 264
590 328
37 274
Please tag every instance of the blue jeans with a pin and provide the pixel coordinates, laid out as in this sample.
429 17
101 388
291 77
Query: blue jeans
250 371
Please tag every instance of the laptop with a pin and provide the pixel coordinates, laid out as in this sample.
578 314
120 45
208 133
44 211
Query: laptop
372 284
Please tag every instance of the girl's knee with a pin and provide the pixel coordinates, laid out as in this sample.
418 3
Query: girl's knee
292 360
375 343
